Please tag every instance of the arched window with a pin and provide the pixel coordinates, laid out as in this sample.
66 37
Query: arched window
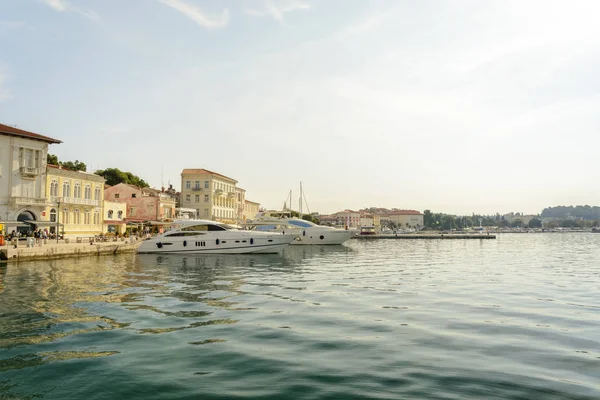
65 216
77 216
120 214
88 192
86 217
66 189
96 217
53 188
97 193
110 214
53 215
77 191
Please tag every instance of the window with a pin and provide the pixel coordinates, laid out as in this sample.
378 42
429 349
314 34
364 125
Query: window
133 195
110 214
116 195
53 215
132 211
97 193
187 197
86 217
96 217
66 189
77 216
77 191
197 186
54 188
206 198
206 212
65 216
120 214
205 184
88 192
197 198
187 184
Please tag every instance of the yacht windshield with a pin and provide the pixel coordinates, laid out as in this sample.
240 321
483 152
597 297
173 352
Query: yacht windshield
302 224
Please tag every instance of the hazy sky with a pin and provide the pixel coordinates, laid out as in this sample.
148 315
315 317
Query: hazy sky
457 106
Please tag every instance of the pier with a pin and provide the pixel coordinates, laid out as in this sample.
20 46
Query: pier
418 236
52 250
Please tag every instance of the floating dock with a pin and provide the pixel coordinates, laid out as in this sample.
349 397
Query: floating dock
418 236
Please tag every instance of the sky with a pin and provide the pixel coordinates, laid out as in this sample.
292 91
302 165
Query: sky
457 106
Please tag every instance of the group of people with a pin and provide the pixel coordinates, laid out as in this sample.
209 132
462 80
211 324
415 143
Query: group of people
38 234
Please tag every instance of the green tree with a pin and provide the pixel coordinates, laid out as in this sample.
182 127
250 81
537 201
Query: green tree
52 159
74 165
114 176
428 219
535 223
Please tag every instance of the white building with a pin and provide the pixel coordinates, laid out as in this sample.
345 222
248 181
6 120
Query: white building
23 194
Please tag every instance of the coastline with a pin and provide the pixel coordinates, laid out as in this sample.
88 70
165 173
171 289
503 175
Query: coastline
50 251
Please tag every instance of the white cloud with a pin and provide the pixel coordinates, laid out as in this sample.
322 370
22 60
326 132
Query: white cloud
277 9
198 16
65 6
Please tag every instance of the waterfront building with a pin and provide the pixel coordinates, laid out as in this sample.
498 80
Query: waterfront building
114 217
404 218
23 196
74 201
211 194
240 195
251 208
143 204
368 219
348 218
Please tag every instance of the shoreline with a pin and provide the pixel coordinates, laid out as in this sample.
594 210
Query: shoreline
52 251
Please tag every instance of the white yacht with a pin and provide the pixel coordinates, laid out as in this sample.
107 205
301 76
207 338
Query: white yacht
210 237
308 232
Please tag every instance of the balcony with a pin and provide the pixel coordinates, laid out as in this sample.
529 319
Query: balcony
218 192
29 172
196 189
73 200
26 201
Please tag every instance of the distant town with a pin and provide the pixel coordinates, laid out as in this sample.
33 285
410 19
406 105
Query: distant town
44 196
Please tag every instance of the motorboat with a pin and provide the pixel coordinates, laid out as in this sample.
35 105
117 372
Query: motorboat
308 232
211 237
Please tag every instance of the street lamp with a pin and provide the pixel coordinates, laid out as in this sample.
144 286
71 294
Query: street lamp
57 217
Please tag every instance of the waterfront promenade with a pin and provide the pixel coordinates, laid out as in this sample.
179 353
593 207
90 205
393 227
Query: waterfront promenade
54 250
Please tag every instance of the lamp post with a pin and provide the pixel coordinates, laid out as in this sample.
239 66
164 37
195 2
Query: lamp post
57 217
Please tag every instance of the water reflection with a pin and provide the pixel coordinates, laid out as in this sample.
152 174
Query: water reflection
394 319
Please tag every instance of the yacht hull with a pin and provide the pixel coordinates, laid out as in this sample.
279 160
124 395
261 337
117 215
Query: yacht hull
222 244
318 236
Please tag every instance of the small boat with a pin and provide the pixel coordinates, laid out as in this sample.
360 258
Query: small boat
210 237
367 230
307 232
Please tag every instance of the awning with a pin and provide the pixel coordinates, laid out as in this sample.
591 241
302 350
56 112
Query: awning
14 223
114 222
41 224
159 223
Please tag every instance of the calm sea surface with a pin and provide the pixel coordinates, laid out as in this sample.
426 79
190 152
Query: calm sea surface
512 318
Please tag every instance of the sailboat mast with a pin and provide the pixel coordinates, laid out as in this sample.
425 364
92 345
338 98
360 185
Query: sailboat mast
300 201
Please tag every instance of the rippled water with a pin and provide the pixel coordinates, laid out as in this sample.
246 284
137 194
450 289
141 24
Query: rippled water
512 318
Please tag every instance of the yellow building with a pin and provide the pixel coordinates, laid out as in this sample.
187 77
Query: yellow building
75 199
251 208
212 195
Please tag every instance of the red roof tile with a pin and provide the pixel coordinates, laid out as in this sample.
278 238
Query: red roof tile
10 130
190 171
403 212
